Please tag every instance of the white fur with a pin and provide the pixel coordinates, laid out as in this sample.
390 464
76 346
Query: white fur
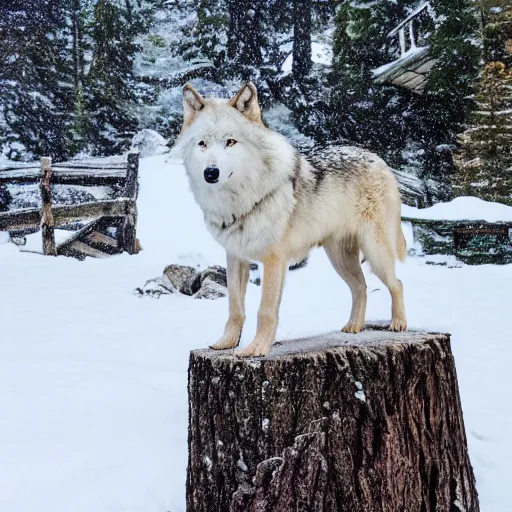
258 166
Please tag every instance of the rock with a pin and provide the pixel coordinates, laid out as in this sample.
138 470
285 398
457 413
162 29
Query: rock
182 278
211 283
211 289
156 287
300 264
216 273
149 143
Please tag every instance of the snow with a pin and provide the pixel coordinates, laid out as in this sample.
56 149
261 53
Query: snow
34 242
410 54
93 380
320 54
462 208
149 143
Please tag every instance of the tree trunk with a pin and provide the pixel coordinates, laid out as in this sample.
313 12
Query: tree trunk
301 39
337 423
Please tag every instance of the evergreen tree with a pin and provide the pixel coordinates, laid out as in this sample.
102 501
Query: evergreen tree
496 20
446 102
110 79
302 25
34 79
484 162
361 112
208 38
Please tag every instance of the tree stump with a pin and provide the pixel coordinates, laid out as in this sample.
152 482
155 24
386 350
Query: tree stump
336 423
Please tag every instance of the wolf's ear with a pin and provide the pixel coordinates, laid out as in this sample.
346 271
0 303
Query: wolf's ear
193 102
246 102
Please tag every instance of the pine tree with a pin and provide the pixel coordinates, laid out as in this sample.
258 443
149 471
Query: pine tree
208 38
484 163
496 20
34 79
110 79
446 102
79 15
361 112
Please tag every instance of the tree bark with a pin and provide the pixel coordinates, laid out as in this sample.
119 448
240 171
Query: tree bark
337 423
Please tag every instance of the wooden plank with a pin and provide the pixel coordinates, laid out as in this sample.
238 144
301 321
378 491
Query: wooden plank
47 220
80 172
20 219
101 238
67 176
63 214
91 236
88 251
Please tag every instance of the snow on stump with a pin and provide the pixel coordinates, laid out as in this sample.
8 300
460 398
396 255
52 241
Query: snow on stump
335 423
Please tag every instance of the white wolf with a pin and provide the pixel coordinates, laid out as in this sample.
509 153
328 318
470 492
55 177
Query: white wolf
263 202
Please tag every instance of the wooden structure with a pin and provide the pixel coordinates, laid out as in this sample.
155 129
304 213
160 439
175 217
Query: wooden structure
336 423
106 226
473 242
414 63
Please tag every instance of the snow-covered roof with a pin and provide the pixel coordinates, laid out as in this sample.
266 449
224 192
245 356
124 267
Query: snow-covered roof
462 208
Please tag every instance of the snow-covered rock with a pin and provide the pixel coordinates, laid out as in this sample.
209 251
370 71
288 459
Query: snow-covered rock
182 278
211 289
209 284
155 288
149 143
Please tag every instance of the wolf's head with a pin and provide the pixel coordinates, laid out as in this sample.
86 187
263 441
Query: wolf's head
219 137
234 162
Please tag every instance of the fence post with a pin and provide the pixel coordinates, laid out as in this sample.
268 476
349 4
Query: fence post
131 189
47 220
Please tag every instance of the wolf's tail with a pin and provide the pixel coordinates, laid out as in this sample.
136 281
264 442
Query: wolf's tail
401 246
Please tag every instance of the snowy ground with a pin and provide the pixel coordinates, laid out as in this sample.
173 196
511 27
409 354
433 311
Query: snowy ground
93 380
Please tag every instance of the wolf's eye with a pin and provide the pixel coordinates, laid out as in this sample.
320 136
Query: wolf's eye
230 142
202 144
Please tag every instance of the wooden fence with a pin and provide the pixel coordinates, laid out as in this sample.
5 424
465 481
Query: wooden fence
111 226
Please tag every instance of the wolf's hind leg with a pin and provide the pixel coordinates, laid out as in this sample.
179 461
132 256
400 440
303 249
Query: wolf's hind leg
344 256
237 277
377 249
274 270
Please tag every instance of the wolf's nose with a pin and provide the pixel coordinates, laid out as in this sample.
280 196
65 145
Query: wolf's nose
211 174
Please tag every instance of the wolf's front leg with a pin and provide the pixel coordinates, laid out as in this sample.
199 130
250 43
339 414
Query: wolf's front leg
274 270
237 277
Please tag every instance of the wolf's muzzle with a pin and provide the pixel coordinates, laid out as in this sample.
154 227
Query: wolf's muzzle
211 174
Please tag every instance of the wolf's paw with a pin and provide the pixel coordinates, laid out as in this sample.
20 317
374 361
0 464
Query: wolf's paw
255 349
225 343
352 328
398 324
